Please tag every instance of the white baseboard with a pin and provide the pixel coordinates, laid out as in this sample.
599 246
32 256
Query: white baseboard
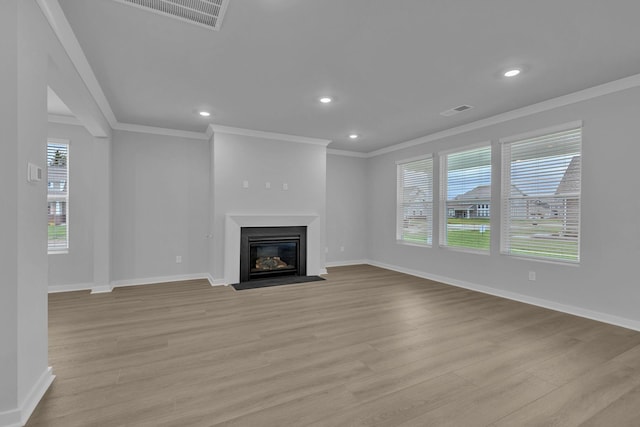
540 302
217 282
18 417
103 289
70 288
162 279
346 263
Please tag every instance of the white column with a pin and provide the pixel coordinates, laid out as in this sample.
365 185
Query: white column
102 216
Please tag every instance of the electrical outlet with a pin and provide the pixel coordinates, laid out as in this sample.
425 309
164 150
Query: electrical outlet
178 259
285 186
245 184
267 185
532 276
341 248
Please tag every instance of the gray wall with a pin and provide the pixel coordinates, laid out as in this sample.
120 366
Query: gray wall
606 279
160 197
239 158
76 266
347 215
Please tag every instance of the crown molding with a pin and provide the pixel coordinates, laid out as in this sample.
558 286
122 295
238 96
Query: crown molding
160 131
58 21
65 120
347 153
561 101
267 135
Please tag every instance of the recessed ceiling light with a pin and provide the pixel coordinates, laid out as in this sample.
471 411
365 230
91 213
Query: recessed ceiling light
325 99
512 73
204 113
354 136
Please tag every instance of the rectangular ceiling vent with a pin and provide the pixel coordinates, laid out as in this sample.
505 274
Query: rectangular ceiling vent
205 13
456 110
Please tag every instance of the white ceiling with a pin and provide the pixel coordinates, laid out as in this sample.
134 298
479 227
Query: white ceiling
392 66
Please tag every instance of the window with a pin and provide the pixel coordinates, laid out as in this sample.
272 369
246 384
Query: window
541 194
58 195
466 199
415 200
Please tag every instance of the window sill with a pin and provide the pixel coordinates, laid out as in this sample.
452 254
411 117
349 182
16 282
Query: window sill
417 245
60 252
465 250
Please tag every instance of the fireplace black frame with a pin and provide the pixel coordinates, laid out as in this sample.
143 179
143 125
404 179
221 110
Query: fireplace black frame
253 235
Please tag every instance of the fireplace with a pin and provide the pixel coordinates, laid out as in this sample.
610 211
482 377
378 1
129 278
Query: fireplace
267 252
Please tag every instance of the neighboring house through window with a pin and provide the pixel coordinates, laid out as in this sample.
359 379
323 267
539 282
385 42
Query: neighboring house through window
415 201
58 195
465 198
541 188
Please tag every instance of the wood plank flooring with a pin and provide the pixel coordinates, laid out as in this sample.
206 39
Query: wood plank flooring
366 347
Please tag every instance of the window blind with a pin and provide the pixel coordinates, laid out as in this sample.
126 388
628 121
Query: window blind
415 201
58 196
465 192
541 196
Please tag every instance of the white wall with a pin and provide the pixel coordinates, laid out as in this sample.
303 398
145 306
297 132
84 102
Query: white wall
605 282
347 214
75 268
24 373
239 158
160 206
9 214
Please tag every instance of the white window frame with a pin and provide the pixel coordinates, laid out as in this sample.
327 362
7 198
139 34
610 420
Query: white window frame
426 209
53 250
444 211
505 244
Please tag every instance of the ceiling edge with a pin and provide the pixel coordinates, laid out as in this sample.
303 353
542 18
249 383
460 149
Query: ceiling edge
347 153
160 131
65 120
267 135
561 101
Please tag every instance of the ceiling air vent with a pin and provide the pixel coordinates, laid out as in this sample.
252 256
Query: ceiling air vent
456 110
205 13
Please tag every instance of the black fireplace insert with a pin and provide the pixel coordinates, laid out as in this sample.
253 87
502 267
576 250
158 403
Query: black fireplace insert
268 252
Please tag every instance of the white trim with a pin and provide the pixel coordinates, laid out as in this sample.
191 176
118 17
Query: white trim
346 263
58 21
102 289
415 159
268 135
64 120
475 146
161 279
160 131
347 153
53 289
561 101
217 282
539 302
540 132
18 417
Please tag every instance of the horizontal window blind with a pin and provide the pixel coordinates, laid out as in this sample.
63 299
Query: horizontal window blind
541 196
415 201
465 191
58 196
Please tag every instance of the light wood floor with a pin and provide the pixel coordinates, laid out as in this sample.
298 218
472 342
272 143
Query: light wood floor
367 347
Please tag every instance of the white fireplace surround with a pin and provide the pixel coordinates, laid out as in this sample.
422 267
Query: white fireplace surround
234 222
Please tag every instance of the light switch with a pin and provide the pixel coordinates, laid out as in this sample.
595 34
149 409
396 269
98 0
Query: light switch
245 184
